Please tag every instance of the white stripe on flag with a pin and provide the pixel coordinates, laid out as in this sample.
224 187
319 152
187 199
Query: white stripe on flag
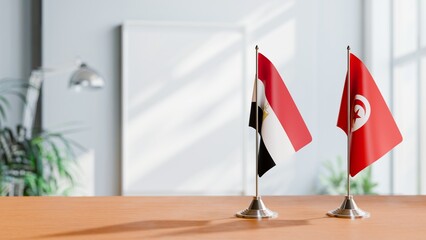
273 134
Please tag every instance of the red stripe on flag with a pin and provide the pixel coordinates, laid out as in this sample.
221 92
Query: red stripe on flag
282 103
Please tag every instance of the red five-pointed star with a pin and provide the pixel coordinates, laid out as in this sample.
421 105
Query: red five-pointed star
356 115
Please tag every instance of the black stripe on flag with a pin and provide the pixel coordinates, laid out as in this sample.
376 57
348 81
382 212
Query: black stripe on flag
265 160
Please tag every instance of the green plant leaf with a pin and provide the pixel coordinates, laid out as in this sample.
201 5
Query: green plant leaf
333 181
47 159
2 113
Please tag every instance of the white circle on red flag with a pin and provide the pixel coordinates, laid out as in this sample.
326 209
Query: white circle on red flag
361 112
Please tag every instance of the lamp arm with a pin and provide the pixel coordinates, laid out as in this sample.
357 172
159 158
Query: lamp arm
31 100
33 93
83 76
48 71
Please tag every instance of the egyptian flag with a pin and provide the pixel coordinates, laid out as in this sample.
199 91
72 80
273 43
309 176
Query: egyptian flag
373 131
282 129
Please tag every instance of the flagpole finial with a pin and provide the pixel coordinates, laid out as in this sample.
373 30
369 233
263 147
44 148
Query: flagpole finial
257 47
349 48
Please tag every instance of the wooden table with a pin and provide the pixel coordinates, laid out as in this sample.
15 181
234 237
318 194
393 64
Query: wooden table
300 217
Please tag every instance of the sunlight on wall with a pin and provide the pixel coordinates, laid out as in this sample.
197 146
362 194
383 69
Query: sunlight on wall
188 93
201 55
405 114
265 13
283 36
405 37
187 108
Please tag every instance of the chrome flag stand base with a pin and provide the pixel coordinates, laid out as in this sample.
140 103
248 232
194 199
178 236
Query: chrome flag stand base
349 209
257 209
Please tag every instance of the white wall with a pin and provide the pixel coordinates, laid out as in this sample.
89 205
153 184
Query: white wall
396 64
340 23
15 47
306 40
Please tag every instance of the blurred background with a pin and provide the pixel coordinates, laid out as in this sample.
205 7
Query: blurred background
172 116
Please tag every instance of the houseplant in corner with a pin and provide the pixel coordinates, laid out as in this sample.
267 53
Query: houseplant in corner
333 181
37 165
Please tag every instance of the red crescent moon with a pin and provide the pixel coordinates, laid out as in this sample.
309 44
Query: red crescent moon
360 103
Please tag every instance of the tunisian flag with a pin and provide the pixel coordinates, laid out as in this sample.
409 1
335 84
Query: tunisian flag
373 129
280 123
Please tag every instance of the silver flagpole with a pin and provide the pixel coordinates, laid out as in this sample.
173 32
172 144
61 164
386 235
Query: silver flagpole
348 183
257 208
348 209
257 121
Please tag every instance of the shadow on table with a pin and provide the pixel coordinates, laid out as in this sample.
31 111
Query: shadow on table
130 227
195 226
238 225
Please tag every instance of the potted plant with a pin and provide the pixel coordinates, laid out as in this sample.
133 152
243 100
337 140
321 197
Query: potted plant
32 165
333 180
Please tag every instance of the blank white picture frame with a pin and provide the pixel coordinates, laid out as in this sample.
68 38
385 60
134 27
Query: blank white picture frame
184 109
